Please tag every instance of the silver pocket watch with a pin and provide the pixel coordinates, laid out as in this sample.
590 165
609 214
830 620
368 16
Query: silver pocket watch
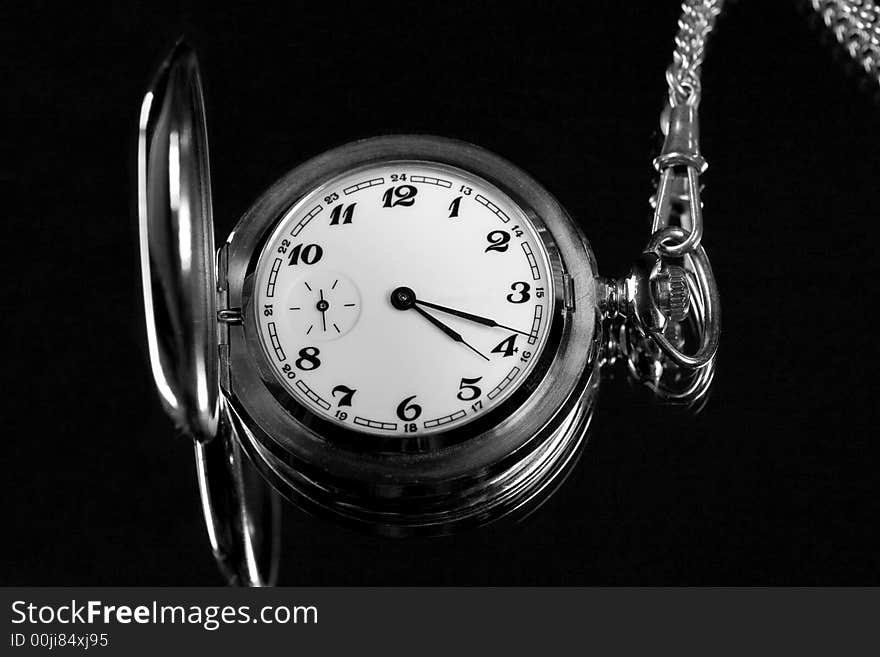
405 333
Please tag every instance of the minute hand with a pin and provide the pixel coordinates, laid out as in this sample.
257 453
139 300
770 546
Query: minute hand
448 331
485 321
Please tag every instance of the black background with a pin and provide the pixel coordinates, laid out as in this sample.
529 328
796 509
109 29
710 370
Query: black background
774 483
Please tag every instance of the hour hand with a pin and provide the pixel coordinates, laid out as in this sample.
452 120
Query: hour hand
485 321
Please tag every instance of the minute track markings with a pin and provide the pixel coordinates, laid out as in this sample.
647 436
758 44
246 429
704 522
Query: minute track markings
273 276
315 211
506 381
351 189
482 200
533 264
536 323
311 394
446 419
386 426
429 180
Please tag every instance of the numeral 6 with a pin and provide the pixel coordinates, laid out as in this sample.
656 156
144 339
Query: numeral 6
407 411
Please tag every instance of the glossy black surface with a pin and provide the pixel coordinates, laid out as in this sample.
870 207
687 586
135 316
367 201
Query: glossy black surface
775 482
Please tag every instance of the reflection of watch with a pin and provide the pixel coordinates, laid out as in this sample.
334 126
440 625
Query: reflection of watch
404 333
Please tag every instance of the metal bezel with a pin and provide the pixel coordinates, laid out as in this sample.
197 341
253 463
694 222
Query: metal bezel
310 462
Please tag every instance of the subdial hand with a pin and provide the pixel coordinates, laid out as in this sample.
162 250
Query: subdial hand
322 306
485 321
404 298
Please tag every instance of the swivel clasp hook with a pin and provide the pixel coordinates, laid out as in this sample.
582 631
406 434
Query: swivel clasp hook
671 283
678 195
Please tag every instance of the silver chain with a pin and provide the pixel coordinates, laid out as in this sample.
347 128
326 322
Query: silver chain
683 75
856 26
675 253
670 290
678 264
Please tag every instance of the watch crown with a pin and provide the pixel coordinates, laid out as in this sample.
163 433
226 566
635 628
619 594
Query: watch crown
672 293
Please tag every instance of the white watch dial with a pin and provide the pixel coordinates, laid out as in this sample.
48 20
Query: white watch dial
405 297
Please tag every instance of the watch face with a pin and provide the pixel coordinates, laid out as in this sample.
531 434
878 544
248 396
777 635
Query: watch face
404 298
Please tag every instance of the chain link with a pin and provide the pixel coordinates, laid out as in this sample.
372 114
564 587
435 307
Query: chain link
856 26
683 75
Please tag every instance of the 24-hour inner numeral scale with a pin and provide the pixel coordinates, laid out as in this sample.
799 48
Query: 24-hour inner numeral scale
458 236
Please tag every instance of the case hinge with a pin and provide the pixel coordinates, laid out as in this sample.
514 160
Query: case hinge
225 316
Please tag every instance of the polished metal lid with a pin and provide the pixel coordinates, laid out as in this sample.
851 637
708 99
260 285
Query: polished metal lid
177 245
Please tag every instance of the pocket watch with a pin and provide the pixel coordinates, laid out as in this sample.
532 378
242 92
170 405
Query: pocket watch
405 333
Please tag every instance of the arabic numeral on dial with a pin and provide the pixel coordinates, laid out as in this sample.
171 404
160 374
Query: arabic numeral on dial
467 191
521 289
525 356
288 371
308 359
398 176
467 391
411 427
330 198
404 195
309 254
517 231
477 405
498 240
267 310
408 411
346 395
539 292
282 248
343 212
341 415
454 207
506 347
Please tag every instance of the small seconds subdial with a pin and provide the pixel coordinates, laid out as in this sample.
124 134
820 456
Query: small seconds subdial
404 297
324 305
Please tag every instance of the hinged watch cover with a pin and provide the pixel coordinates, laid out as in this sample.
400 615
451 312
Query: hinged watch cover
180 298
177 245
